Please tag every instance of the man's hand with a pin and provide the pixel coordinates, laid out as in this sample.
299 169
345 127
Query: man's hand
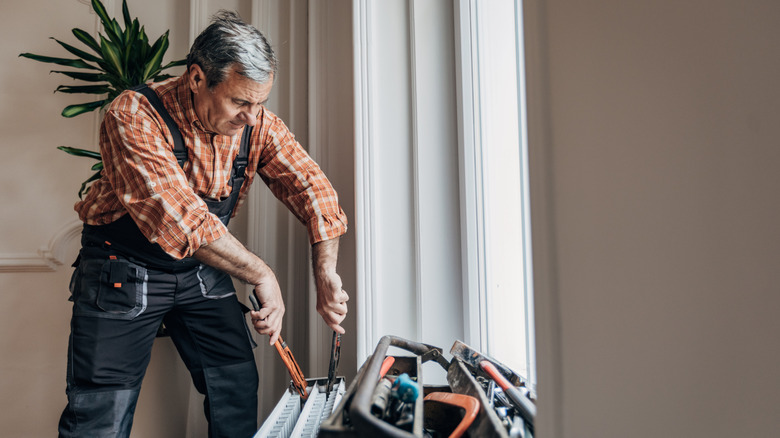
268 320
331 298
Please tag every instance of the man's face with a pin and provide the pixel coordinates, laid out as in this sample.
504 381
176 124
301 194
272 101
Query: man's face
227 107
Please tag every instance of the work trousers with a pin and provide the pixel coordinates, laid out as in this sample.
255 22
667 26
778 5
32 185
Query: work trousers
118 307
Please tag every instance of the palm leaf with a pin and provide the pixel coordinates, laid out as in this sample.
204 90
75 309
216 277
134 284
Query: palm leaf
87 39
75 63
101 12
115 33
97 166
126 13
74 110
86 77
108 26
131 35
86 89
80 152
153 65
111 54
84 189
174 64
80 53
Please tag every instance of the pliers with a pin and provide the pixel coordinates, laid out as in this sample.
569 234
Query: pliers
298 381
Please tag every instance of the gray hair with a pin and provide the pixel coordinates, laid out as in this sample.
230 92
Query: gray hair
227 41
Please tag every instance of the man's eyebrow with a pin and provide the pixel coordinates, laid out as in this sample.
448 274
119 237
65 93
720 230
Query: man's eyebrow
241 101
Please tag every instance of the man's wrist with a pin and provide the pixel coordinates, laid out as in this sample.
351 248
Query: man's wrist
263 273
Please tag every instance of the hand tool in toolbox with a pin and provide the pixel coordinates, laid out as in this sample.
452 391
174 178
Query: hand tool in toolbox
299 382
469 404
386 364
474 360
335 355
354 417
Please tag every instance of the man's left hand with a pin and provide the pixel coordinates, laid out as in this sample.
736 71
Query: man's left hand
331 300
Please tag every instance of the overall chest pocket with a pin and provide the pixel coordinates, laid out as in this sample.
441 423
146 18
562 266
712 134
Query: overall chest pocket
114 288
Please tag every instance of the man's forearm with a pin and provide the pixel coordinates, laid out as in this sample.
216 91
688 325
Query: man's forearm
325 256
228 255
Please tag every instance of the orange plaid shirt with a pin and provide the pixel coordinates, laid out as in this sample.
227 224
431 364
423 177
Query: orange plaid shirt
141 176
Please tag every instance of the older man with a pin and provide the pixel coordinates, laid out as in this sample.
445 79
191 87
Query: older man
179 158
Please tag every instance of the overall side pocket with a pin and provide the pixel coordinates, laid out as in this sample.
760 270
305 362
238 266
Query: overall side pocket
214 283
114 289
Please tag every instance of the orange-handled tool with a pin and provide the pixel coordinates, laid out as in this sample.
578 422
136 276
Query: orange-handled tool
299 382
469 404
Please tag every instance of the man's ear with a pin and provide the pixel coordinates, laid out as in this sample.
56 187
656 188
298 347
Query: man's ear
197 80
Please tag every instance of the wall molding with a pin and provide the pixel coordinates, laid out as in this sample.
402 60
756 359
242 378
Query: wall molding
198 18
48 258
365 186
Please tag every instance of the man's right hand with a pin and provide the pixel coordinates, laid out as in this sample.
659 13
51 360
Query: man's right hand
268 320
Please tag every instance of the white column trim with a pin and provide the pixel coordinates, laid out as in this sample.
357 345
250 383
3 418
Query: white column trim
414 98
261 15
365 186
48 258
472 227
317 147
198 17
258 229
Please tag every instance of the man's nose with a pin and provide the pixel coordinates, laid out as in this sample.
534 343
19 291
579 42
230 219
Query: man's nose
249 118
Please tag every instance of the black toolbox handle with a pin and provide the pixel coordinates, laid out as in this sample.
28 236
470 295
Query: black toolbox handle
360 408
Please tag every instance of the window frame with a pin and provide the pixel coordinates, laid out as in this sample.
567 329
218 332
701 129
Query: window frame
472 75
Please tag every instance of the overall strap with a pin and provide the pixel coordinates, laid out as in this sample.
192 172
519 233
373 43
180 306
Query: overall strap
242 159
178 141
222 208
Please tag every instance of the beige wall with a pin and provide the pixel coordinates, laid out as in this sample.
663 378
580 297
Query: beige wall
655 145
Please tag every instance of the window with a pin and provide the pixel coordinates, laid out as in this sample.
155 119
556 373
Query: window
495 182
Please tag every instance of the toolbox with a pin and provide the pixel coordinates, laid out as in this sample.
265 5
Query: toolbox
470 405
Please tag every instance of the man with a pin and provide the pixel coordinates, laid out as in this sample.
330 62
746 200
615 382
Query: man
155 247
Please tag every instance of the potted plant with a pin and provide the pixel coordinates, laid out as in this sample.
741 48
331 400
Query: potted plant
117 60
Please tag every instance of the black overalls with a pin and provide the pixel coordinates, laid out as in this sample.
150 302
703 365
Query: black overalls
123 288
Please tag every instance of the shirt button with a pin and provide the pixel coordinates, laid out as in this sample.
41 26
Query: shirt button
153 184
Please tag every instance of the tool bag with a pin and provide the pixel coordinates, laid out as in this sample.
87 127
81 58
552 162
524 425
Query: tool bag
352 413
353 416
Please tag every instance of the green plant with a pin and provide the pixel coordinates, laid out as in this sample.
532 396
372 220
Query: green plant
122 59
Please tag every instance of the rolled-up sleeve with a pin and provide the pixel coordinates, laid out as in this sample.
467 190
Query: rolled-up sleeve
149 183
298 182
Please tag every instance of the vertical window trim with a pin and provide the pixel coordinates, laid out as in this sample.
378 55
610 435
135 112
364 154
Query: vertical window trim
473 198
522 123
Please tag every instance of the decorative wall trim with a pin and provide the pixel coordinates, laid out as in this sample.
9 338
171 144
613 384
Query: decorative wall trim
48 258
416 165
471 202
198 18
365 186
318 142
